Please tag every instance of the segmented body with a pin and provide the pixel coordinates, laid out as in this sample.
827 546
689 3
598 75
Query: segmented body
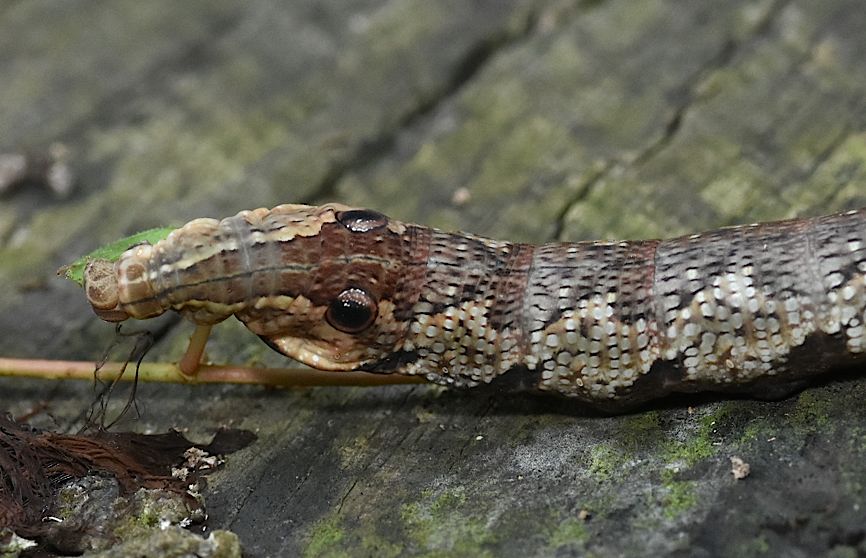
750 308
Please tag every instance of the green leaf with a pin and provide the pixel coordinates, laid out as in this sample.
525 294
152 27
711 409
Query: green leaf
111 252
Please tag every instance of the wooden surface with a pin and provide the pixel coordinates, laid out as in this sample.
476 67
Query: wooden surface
523 120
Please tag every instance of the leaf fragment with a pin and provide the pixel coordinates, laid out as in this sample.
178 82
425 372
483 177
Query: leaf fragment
111 252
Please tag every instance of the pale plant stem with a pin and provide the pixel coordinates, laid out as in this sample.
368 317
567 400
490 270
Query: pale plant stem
206 374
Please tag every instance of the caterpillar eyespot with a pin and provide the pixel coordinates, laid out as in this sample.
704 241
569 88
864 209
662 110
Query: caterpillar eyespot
362 220
352 311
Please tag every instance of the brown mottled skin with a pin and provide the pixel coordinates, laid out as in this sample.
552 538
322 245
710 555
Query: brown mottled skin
754 309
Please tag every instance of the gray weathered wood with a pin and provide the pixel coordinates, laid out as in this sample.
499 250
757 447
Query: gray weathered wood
526 120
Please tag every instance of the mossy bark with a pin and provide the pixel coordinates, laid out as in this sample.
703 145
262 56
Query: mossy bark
524 120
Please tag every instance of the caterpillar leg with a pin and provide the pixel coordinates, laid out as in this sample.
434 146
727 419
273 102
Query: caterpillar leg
191 359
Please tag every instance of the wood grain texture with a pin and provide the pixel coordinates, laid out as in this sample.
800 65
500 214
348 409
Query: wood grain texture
531 121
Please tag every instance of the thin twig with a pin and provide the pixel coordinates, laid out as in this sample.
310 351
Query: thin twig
207 374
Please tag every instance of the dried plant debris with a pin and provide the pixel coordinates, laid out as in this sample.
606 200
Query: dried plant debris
87 493
48 168
739 468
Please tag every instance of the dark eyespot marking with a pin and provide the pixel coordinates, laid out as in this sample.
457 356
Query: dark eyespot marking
362 220
353 311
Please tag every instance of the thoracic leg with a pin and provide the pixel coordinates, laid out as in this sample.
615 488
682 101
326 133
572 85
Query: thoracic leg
191 359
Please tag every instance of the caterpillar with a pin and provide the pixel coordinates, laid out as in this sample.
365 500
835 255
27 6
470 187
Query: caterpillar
755 309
